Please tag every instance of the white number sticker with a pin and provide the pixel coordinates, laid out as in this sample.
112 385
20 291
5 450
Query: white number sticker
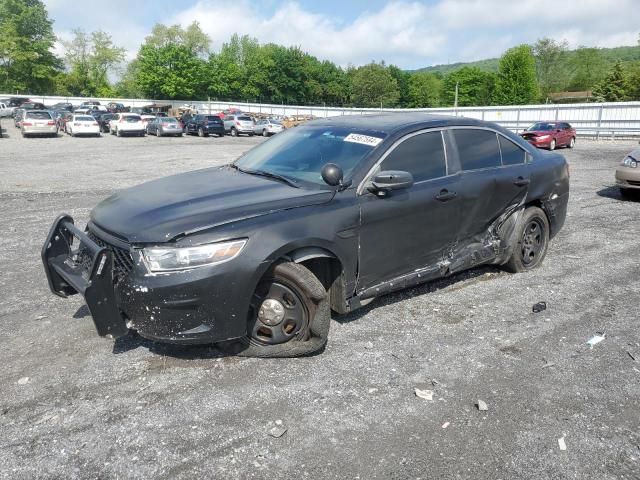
363 139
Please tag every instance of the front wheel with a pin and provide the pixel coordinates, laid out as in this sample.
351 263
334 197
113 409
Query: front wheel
530 241
289 314
572 142
264 133
201 132
552 145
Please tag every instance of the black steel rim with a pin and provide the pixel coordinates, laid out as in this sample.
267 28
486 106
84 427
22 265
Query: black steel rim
532 242
294 320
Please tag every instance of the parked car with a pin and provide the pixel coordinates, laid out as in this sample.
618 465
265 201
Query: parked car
103 121
328 215
63 106
550 135
5 110
15 102
63 120
38 122
32 106
204 125
83 125
89 103
267 127
115 107
126 124
237 124
628 174
162 126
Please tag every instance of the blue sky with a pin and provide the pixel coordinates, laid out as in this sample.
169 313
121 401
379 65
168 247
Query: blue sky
410 34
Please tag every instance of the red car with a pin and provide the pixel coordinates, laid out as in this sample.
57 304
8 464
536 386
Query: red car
550 135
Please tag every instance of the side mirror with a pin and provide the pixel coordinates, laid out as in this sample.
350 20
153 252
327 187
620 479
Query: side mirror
332 174
390 180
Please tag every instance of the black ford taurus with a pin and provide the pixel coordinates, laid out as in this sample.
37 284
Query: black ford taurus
323 217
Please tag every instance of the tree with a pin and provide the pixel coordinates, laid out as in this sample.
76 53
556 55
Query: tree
588 68
424 90
26 43
517 83
192 38
475 87
633 81
374 86
402 79
614 86
551 69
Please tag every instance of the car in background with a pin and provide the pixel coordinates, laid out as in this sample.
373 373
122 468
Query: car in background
628 175
116 107
38 122
550 135
103 121
267 127
83 125
239 124
89 103
68 107
164 126
63 119
127 124
204 125
5 111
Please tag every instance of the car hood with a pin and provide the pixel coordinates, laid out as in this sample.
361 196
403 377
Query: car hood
163 209
536 133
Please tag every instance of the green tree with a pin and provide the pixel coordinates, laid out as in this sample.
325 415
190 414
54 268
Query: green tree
475 87
424 90
614 86
26 43
374 86
517 83
551 68
402 79
633 81
588 67
192 38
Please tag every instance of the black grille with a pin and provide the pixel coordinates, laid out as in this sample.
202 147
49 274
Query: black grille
122 260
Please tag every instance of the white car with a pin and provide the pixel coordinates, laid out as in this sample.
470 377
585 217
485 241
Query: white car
5 111
82 125
127 124
267 127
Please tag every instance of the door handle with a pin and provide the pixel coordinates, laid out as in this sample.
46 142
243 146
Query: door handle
445 195
521 181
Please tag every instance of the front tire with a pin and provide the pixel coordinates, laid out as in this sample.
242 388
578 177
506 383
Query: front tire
289 314
572 142
552 145
530 241
264 133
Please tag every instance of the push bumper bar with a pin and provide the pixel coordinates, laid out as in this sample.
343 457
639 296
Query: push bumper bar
93 281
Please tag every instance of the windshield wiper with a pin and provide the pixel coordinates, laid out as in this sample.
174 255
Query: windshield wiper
263 173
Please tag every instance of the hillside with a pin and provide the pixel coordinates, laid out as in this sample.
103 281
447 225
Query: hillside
611 55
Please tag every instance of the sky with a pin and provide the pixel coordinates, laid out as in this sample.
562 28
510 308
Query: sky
409 34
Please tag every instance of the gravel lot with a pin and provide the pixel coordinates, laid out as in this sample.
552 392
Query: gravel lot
92 408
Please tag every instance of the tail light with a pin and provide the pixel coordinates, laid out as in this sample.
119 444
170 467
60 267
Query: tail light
51 122
95 123
237 123
26 124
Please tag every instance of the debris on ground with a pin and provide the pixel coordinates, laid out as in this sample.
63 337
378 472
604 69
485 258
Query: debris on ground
368 345
23 381
424 394
482 406
548 364
434 382
445 424
561 444
40 317
596 339
539 307
631 355
278 431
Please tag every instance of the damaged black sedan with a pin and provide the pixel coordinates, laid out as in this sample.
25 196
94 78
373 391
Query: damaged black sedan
323 217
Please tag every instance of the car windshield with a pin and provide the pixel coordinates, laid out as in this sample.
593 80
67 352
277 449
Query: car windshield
84 118
541 126
300 153
132 118
39 115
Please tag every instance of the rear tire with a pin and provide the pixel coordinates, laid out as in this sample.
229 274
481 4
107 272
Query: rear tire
264 133
234 132
301 309
530 241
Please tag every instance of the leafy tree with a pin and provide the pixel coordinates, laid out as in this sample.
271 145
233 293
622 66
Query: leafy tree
633 82
424 90
517 83
588 67
26 43
551 69
192 37
128 86
614 86
475 87
374 86
402 79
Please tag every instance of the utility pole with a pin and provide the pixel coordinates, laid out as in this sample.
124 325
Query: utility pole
455 102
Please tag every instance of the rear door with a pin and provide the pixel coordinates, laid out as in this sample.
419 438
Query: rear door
412 228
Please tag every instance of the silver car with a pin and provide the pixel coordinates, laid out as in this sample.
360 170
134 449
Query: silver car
237 124
267 127
38 122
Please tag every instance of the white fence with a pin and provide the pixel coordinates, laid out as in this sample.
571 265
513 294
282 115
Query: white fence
597 119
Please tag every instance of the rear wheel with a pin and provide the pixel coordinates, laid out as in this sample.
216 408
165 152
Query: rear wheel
531 241
158 133
201 132
234 132
289 314
118 133
264 133
552 145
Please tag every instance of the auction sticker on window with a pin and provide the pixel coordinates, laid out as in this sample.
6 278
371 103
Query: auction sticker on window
363 139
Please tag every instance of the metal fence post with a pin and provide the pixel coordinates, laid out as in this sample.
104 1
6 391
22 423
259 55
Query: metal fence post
599 122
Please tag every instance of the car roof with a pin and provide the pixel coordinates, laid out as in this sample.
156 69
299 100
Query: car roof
390 122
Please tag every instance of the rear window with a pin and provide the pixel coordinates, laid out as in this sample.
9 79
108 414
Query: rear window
84 118
477 148
245 118
38 115
169 120
213 118
132 118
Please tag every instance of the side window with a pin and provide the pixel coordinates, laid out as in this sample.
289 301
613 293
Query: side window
421 155
477 148
512 154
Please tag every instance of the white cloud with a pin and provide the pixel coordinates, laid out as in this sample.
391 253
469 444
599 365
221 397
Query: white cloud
410 34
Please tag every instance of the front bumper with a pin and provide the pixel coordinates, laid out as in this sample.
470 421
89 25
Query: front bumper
536 142
198 306
627 177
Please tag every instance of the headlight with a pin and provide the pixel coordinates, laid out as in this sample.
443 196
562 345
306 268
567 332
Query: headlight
543 137
163 259
630 162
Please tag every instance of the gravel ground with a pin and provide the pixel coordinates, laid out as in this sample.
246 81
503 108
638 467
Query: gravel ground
92 408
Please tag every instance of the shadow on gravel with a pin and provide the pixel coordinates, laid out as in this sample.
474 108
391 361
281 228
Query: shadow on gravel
614 192
184 352
482 273
82 312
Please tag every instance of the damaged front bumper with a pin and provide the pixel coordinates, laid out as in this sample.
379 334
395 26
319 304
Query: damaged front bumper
87 270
